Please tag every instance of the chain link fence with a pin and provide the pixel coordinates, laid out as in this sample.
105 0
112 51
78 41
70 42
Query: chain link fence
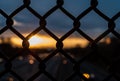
42 63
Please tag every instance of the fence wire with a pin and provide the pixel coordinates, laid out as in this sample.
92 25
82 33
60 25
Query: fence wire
59 45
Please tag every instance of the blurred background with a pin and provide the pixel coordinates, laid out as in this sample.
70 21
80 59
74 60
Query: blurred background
103 62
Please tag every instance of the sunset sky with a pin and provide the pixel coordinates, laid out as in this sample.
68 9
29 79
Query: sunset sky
59 23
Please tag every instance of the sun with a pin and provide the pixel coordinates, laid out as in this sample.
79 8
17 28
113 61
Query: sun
35 40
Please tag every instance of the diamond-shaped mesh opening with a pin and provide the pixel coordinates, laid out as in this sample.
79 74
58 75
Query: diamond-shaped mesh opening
56 26
75 40
76 46
117 28
8 77
25 66
106 52
75 7
9 43
108 8
36 41
25 22
42 6
10 6
2 22
53 63
94 27
45 41
61 65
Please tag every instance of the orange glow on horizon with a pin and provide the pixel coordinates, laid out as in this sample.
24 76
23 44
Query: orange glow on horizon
74 41
36 42
48 42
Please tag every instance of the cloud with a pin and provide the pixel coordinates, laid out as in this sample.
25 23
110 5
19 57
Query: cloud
58 22
16 23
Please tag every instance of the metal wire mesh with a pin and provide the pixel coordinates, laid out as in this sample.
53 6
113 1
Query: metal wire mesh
59 45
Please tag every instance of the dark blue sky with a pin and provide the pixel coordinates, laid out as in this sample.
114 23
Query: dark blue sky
59 23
